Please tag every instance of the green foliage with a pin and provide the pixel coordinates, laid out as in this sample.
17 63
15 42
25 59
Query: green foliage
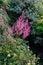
15 52
32 8
37 32
38 26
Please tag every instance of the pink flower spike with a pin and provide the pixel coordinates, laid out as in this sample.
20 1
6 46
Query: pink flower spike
20 27
26 32
26 22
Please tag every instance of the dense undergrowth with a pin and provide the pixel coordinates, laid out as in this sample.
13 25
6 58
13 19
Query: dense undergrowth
21 32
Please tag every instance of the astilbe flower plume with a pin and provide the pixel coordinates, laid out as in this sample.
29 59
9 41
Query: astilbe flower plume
21 27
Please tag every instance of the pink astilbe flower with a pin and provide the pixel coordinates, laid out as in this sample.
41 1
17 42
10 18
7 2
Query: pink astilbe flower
26 29
21 27
26 33
19 24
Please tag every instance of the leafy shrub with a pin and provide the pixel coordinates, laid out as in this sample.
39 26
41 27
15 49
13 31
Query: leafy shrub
32 8
13 51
